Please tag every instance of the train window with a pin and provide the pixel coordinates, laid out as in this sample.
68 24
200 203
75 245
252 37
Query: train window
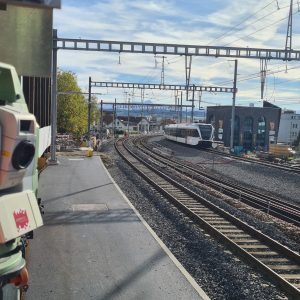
195 133
206 131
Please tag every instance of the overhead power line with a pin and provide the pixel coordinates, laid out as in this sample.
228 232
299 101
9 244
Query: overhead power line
258 30
257 75
243 21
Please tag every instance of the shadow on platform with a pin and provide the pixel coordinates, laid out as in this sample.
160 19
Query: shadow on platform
69 217
77 192
134 275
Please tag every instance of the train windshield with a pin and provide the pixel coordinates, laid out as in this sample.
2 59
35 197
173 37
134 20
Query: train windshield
206 131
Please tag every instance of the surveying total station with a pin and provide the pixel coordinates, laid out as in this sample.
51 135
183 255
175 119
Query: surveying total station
19 209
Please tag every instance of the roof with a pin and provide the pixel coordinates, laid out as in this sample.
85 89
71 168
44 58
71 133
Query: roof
222 107
108 118
132 120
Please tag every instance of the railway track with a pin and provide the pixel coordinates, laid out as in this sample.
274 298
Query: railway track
276 261
290 169
271 205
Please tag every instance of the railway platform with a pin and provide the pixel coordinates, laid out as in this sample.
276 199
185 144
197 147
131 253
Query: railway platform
94 245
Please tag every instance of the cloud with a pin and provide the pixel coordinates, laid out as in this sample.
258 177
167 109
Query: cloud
237 23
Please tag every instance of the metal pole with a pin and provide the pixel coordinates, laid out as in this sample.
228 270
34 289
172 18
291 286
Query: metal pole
180 108
142 112
175 108
193 99
114 117
89 107
163 71
143 98
128 118
178 117
233 106
186 114
54 99
101 124
188 67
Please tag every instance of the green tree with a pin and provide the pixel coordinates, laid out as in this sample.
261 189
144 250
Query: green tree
95 111
72 109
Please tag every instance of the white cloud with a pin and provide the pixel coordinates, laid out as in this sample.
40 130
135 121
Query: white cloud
176 22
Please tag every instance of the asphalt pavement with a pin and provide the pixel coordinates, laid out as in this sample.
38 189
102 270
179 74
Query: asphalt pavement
93 244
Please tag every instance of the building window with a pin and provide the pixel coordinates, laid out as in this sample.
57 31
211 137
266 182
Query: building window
248 132
261 132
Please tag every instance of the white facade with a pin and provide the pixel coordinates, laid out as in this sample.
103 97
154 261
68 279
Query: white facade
143 125
121 124
289 127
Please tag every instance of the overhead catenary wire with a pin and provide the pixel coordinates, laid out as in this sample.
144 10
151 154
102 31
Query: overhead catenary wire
257 75
258 30
243 21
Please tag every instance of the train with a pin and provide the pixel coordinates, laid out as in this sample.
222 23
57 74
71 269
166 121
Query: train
195 134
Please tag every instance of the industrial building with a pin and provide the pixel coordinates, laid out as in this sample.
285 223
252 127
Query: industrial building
254 127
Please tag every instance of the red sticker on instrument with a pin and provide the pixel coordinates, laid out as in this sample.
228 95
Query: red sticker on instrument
21 219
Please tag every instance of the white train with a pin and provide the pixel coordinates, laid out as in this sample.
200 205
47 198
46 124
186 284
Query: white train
196 134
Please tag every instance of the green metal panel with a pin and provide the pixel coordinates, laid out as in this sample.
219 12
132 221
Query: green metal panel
26 39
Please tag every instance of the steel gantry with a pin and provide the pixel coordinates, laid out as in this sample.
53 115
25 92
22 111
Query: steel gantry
175 49
154 86
153 48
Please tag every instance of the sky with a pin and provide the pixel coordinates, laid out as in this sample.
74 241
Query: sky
253 23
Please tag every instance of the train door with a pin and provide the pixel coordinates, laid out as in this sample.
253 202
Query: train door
185 132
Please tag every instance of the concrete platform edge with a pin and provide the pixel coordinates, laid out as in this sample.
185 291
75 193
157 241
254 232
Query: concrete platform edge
185 273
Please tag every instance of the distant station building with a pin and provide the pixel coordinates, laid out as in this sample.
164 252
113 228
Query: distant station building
254 127
140 124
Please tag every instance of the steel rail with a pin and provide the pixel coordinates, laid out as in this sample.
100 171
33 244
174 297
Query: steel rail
267 164
276 207
276 261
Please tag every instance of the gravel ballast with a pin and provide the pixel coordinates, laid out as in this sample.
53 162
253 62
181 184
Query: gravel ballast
221 274
271 180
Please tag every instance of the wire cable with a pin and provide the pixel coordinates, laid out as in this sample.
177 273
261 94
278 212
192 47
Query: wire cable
252 33
243 21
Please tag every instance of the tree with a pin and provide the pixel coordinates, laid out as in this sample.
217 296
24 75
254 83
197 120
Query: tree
95 112
72 109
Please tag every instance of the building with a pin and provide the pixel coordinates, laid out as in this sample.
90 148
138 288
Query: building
254 127
138 124
289 127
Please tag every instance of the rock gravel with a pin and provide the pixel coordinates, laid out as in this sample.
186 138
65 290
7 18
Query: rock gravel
221 274
273 181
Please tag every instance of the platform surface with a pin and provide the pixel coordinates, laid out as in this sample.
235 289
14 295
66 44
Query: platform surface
93 245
